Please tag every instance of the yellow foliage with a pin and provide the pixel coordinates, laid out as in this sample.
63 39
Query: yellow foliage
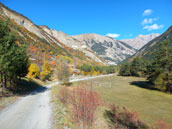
46 70
33 71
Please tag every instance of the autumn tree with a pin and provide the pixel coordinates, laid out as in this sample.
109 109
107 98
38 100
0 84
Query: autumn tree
46 70
33 71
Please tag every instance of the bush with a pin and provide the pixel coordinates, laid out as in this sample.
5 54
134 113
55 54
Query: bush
84 103
123 118
63 73
160 124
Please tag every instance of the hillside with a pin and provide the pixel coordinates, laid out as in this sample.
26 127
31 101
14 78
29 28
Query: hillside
140 40
149 49
40 41
112 50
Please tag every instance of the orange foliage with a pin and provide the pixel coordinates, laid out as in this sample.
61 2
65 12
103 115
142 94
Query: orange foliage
53 63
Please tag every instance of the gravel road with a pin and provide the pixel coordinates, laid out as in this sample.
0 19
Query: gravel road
32 111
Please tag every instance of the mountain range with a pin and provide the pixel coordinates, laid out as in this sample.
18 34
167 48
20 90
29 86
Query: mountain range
140 40
110 49
88 48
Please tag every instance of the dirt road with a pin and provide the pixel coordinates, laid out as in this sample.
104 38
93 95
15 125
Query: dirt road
32 111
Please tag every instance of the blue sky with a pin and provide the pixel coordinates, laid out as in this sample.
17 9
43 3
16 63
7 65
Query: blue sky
120 19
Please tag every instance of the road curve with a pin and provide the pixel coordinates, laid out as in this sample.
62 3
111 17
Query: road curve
32 111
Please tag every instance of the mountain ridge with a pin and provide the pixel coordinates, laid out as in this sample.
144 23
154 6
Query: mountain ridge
141 40
112 50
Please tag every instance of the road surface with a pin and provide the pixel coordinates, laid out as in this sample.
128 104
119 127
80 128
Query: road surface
32 111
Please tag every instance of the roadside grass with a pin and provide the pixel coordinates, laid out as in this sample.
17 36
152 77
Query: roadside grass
60 114
22 88
152 105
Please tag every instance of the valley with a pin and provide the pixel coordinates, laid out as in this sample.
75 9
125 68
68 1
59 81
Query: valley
80 79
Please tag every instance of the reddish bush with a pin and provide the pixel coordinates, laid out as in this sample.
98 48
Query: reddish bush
124 118
84 103
160 124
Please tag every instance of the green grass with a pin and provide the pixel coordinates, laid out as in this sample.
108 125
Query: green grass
151 105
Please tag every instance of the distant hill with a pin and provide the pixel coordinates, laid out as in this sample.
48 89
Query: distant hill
140 40
112 50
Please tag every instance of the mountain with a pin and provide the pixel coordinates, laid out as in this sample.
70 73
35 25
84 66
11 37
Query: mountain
41 39
112 50
140 40
152 47
88 48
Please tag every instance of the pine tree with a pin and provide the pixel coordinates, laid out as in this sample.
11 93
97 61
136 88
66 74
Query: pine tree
160 70
13 59
125 69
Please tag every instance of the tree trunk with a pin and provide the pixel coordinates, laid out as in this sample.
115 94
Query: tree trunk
5 81
2 82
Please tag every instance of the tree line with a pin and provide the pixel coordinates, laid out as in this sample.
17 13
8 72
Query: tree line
158 71
87 69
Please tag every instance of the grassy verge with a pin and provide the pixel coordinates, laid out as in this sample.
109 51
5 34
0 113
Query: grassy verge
23 87
61 115
151 105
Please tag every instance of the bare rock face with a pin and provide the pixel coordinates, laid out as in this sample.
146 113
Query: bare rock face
140 40
113 51
71 42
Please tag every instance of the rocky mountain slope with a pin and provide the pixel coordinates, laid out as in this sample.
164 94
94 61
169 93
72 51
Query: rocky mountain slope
153 46
140 40
89 48
59 42
112 50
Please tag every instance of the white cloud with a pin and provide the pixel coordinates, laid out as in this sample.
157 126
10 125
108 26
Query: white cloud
147 12
113 35
153 27
148 21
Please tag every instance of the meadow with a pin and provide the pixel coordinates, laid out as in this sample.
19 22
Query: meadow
131 92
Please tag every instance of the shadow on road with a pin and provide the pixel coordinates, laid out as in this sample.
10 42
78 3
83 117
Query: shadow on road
23 88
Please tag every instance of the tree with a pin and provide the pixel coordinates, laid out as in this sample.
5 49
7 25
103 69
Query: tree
159 72
137 67
125 69
34 71
63 73
46 71
13 58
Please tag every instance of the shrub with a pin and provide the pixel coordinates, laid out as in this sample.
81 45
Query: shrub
160 124
123 118
84 103
63 73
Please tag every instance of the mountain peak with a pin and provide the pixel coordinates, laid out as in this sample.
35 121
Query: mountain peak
141 40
